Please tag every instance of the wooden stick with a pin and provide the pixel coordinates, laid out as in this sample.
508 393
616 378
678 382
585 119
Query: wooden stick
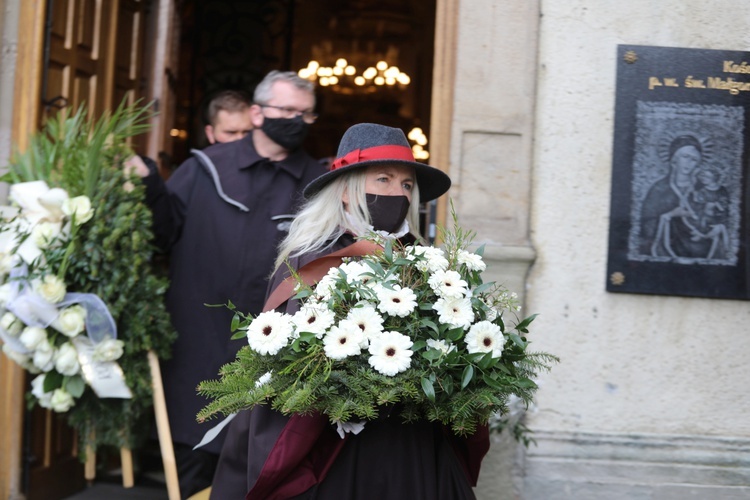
126 461
162 428
89 470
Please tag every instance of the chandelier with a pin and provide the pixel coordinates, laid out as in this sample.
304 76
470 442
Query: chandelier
346 78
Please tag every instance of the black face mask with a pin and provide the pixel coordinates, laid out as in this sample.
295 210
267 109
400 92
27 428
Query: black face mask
286 132
387 212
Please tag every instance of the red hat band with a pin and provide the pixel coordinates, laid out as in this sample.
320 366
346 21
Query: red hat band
374 153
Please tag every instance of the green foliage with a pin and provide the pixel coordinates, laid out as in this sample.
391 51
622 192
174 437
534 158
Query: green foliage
110 256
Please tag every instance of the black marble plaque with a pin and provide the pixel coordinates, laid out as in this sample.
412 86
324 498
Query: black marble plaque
679 201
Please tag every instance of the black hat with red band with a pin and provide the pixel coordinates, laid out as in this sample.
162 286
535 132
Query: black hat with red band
368 144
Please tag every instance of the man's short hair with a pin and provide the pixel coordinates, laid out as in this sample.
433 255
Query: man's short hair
263 92
231 101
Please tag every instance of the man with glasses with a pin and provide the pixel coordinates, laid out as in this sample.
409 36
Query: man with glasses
221 216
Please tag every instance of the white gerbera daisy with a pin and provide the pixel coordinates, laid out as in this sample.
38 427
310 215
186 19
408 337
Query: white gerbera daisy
454 311
354 271
367 319
269 332
484 336
390 353
314 318
472 261
440 345
433 258
343 340
448 284
397 301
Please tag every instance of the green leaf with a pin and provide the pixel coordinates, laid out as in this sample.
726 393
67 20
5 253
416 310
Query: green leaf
493 383
432 354
52 381
75 386
239 334
455 334
523 325
235 322
428 388
517 340
467 376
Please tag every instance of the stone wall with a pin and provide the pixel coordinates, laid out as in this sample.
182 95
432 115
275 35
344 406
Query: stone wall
651 398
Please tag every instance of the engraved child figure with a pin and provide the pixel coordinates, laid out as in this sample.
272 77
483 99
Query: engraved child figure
710 202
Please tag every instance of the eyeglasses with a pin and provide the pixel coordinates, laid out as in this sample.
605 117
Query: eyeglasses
307 116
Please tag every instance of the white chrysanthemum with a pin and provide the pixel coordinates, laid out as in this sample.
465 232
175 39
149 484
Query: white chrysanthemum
343 340
367 319
440 345
269 332
448 284
472 261
484 336
434 258
66 360
399 301
454 311
390 353
314 318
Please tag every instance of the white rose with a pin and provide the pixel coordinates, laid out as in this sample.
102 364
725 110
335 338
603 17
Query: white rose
44 234
22 359
61 401
51 288
44 356
66 360
32 336
81 207
37 390
71 321
6 293
108 350
11 324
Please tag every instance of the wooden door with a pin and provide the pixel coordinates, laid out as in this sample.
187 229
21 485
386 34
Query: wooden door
95 59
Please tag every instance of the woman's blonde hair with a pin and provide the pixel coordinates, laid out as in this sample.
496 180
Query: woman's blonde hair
323 218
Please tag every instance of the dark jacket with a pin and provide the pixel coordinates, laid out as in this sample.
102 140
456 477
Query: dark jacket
221 227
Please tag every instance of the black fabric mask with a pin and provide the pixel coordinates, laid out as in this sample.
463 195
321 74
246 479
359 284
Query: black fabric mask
387 212
286 132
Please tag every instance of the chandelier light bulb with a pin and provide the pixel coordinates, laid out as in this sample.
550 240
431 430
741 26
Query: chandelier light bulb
379 80
350 70
341 62
304 73
360 80
390 81
332 80
370 73
313 65
403 79
323 81
381 65
338 70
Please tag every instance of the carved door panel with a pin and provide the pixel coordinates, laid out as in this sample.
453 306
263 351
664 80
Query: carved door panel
95 50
